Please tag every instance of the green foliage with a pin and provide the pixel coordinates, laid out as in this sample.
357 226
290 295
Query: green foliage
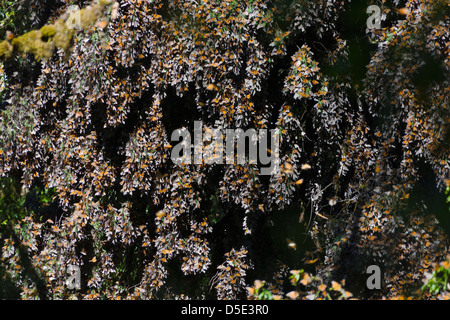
447 192
12 201
7 15
438 280
260 292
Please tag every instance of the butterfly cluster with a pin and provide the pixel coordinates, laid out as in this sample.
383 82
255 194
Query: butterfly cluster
93 124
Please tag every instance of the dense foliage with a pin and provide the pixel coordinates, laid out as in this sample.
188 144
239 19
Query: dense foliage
85 150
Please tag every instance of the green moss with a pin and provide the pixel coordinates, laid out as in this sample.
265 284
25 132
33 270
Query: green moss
6 49
42 43
48 31
63 35
104 3
31 42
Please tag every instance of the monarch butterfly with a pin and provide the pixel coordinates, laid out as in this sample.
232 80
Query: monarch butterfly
9 35
211 87
312 261
160 214
332 202
335 285
102 24
291 244
322 216
292 295
305 166
403 11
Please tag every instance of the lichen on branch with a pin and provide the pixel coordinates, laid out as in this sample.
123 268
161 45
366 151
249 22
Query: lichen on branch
43 42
